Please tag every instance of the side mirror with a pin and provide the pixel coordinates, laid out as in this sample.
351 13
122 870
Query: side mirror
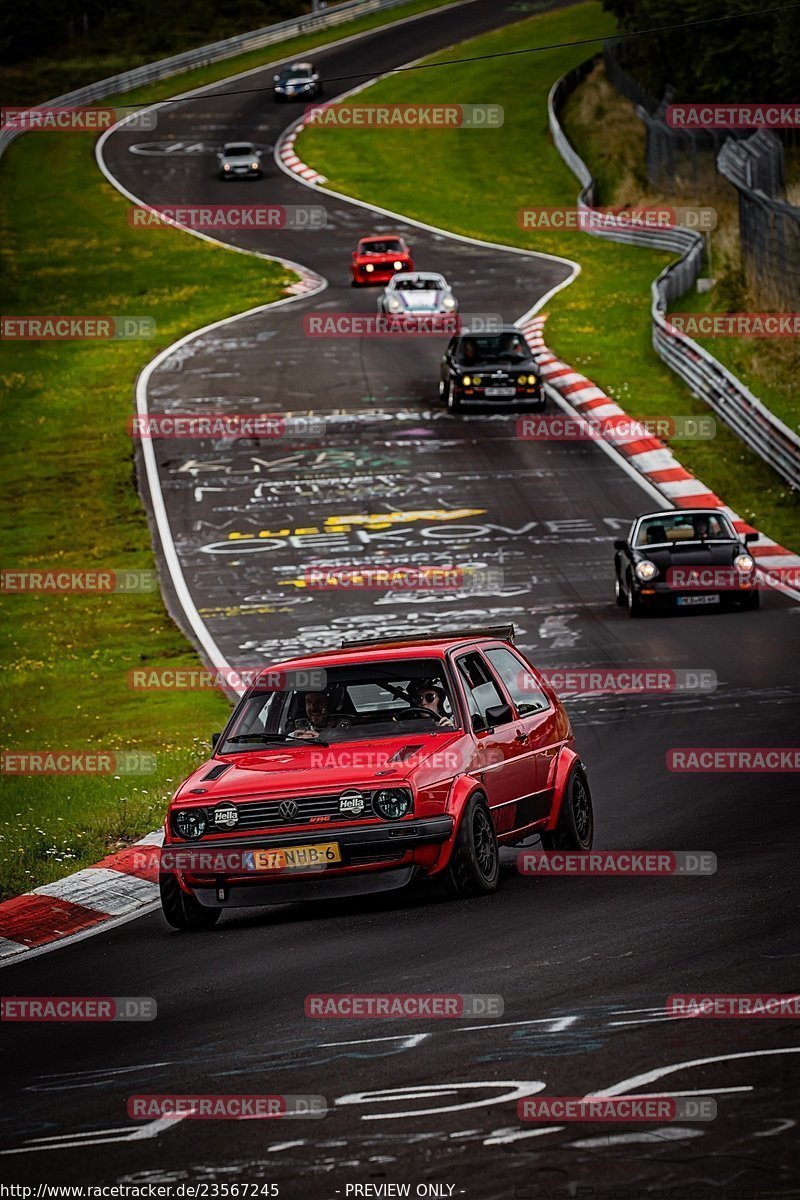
478 723
620 545
276 78
500 714
751 537
215 740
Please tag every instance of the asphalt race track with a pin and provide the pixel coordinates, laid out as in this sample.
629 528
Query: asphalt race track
584 966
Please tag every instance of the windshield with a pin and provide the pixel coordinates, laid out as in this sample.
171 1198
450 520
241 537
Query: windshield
672 529
425 283
242 149
360 702
508 347
294 73
389 246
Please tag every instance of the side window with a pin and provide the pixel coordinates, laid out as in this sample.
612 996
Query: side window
481 690
520 683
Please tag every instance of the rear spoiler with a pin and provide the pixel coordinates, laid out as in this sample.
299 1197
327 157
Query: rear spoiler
502 633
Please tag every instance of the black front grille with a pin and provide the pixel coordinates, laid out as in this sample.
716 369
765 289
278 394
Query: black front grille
266 814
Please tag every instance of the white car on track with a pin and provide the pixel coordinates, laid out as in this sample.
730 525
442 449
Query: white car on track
417 293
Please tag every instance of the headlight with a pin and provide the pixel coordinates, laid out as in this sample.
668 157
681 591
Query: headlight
391 803
646 570
531 379
743 562
189 823
394 304
398 266
522 378
369 267
466 380
449 302
476 379
254 165
226 166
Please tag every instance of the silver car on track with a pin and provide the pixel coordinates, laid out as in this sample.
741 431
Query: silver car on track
417 293
239 160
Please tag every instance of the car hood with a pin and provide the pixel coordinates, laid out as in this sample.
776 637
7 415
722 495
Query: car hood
691 554
374 257
526 366
305 768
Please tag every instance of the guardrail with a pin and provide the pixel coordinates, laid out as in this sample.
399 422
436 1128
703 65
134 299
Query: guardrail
731 401
205 55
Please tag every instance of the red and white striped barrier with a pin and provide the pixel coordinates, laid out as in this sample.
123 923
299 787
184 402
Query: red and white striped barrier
651 457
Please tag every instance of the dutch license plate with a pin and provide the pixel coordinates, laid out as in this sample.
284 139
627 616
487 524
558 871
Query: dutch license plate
501 391
293 858
684 600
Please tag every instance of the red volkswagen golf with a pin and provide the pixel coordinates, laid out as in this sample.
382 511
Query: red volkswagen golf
353 770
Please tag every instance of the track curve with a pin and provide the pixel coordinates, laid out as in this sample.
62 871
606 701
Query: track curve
583 967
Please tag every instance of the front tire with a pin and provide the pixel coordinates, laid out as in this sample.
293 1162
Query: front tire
180 909
635 606
618 592
453 402
474 867
752 601
575 828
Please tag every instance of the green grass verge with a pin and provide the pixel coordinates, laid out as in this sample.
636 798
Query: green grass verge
69 489
610 138
40 80
70 501
475 183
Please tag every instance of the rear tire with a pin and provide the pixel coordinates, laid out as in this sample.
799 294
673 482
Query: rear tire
575 828
474 867
181 910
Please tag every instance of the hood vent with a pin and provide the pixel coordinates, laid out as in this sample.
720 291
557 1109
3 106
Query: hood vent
220 769
404 753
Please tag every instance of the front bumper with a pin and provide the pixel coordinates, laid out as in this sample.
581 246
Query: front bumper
662 596
242 173
381 274
530 397
371 855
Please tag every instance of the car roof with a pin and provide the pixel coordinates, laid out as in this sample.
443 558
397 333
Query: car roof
492 332
299 66
682 512
381 237
433 647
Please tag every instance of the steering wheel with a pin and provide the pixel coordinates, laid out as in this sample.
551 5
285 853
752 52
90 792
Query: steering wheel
411 714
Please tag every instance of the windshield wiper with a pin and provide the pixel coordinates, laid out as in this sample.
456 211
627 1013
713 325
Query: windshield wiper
256 737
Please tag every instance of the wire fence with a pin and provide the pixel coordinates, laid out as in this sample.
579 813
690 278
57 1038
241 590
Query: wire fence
769 227
708 379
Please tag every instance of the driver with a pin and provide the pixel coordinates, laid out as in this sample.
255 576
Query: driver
318 717
427 694
702 526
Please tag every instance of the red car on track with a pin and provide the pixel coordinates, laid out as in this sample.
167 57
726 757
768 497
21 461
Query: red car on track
353 770
378 257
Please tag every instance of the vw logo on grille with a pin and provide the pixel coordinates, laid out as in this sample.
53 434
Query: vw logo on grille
288 809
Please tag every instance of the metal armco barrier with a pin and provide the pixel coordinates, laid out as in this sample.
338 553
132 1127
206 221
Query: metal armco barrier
731 401
204 55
